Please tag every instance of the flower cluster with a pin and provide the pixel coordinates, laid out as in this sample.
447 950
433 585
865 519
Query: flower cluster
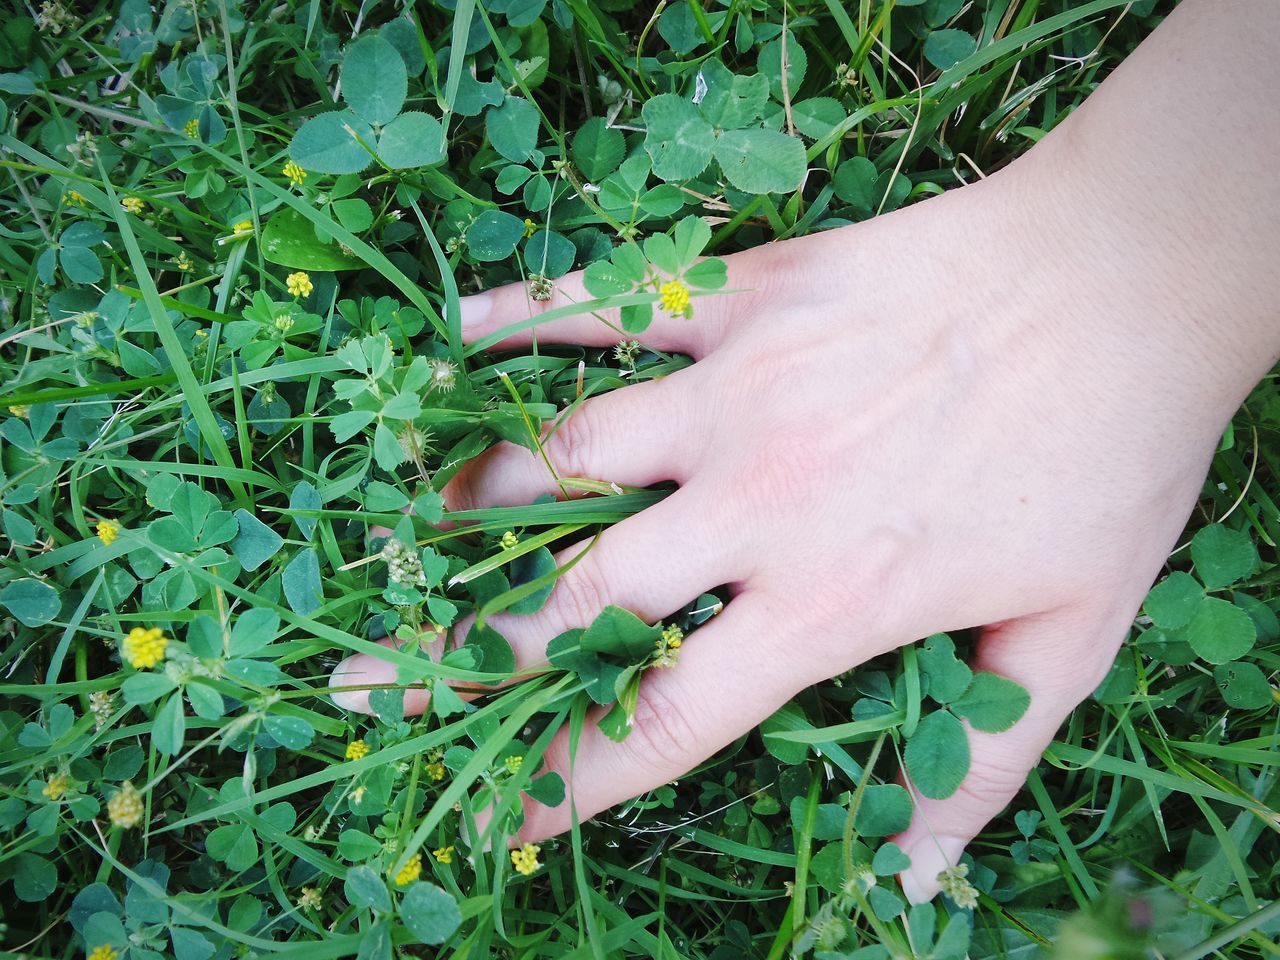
125 807
107 531
134 205
410 872
675 298
404 566
955 884
294 173
102 952
444 854
299 284
309 899
144 648
525 859
509 540
668 646
57 786
357 750
101 704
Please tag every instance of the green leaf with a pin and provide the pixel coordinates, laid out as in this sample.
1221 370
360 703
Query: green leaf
790 716
948 676
992 703
937 755
365 888
305 499
885 809
817 116
496 655
1243 685
386 448
529 567
292 733
732 101
34 878
1223 555
255 542
547 789
328 143
412 140
1220 631
855 182
1173 601
769 62
353 213
429 913
761 161
549 253
33 602
512 128
620 633
190 945
374 79
253 630
678 138
80 264
170 726
145 688
357 845
678 26
709 274
597 149
289 239
375 943
946 48
889 859
493 235
301 582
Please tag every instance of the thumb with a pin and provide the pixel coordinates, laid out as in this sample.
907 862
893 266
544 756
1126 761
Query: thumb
1060 658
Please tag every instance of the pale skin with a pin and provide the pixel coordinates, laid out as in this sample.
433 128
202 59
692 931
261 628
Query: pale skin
992 409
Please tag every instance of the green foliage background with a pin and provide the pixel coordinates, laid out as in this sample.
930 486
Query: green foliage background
160 374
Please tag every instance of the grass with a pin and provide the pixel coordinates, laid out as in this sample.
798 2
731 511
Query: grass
159 375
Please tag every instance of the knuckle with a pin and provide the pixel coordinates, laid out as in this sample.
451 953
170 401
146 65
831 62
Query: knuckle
572 447
993 782
663 733
579 596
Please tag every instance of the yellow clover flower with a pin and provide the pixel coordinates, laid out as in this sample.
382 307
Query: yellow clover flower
530 228
444 854
675 298
125 807
134 205
357 750
510 540
107 531
299 284
243 227
76 197
435 770
525 860
295 174
192 129
103 952
410 872
144 648
57 786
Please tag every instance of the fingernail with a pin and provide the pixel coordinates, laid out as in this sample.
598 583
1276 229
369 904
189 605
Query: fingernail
475 310
928 859
358 670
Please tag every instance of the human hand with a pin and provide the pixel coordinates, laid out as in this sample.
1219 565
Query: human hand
913 425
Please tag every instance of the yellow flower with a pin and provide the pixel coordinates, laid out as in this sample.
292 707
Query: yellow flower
144 648
530 228
299 284
444 854
244 226
134 205
22 410
310 899
125 806
76 197
58 785
184 262
513 764
672 636
509 540
411 871
295 174
675 298
357 750
104 952
192 129
669 646
435 770
525 860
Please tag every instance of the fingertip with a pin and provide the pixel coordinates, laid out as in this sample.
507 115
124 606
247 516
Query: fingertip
930 856
350 673
474 311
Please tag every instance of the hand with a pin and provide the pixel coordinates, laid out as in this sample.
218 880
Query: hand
913 425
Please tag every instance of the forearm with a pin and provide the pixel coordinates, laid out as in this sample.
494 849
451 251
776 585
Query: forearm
1161 195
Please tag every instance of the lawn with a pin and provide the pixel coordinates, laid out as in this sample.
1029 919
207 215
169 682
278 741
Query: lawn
233 244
